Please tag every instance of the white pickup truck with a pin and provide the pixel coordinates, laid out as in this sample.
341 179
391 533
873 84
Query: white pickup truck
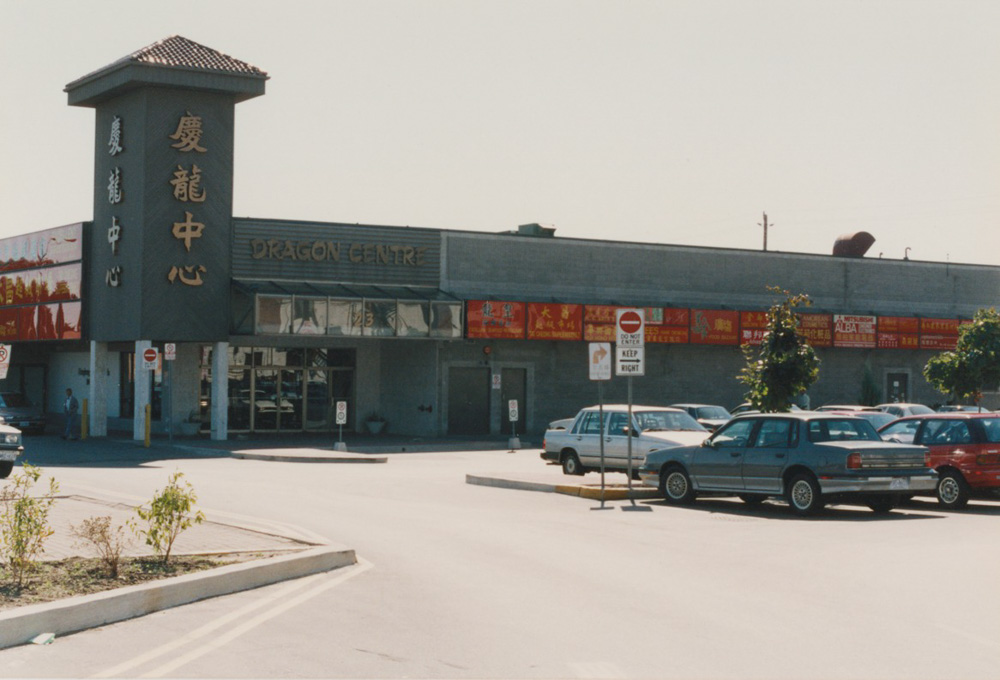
578 447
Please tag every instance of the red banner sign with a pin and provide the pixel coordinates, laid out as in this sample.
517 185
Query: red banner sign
898 340
939 326
715 327
938 342
898 324
494 319
853 331
817 329
549 321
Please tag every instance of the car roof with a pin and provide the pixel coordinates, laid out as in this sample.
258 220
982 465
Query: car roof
950 415
694 406
635 407
802 415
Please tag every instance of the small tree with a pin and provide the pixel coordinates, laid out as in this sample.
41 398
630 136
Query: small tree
24 522
974 364
108 541
785 365
168 515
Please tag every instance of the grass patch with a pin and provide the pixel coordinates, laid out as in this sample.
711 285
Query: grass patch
74 576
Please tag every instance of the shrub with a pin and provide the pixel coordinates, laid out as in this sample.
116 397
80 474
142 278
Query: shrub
168 515
24 522
108 541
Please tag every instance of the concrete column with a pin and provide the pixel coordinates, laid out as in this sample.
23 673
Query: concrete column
220 391
143 388
97 400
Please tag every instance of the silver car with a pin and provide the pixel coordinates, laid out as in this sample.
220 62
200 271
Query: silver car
808 459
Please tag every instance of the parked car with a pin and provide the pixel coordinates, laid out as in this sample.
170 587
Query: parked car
846 407
964 450
561 424
900 410
746 407
877 418
961 408
711 417
17 411
11 446
578 448
810 459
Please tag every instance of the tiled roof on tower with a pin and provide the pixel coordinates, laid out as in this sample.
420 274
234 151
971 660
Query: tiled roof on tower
178 51
171 62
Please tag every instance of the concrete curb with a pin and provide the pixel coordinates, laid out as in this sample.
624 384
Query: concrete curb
308 458
611 493
20 625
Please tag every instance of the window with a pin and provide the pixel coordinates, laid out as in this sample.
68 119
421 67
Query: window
734 435
591 423
841 429
617 424
774 433
991 426
944 432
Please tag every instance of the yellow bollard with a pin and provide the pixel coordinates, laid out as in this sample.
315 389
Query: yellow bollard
149 412
84 421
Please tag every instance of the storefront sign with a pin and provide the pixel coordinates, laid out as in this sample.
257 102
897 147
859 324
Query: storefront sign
495 319
715 327
753 326
550 321
938 342
853 331
939 326
817 329
663 325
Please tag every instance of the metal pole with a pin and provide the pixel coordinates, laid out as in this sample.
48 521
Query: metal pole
600 401
630 428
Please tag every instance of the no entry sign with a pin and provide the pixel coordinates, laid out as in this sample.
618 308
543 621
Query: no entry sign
150 355
630 328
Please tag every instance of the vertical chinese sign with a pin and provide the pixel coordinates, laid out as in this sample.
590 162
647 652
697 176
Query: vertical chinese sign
187 190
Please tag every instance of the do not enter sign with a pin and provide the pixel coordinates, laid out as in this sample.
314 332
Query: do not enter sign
150 357
630 328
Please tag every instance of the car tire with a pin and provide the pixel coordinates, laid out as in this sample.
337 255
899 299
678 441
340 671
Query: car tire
804 495
751 500
952 490
6 467
883 506
676 486
571 465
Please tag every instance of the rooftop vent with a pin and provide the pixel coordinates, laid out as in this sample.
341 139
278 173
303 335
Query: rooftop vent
536 230
853 245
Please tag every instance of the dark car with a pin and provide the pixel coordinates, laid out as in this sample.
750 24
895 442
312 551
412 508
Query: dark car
710 417
17 411
807 458
964 450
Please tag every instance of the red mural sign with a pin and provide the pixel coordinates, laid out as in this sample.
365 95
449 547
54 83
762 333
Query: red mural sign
548 321
898 324
898 340
817 329
939 326
753 326
715 327
938 342
663 324
494 319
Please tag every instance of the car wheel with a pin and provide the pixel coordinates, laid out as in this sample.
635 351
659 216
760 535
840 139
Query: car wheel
6 467
804 495
751 500
571 465
676 486
952 490
883 505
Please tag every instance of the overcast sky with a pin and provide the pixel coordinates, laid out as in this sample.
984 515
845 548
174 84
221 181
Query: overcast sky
667 121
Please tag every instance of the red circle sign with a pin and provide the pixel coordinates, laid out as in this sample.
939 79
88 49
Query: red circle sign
149 354
630 322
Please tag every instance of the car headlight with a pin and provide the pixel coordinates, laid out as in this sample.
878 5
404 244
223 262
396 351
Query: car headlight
12 438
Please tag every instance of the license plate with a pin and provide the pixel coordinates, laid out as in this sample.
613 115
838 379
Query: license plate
8 455
899 484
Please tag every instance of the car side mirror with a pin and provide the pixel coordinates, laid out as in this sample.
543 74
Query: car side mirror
707 443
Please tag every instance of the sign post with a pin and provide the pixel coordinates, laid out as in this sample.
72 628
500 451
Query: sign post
4 360
630 348
600 370
512 414
341 419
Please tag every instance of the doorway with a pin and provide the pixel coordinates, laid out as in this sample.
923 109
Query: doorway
897 387
469 401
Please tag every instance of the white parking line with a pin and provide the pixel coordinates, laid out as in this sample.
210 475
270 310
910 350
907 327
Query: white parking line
319 583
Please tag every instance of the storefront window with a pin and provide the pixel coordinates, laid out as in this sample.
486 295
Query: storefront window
412 319
344 317
240 399
309 316
380 317
273 314
446 319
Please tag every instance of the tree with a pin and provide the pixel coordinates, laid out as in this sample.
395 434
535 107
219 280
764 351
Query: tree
974 364
785 365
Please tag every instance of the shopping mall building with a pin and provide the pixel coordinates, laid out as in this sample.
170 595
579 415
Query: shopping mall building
263 325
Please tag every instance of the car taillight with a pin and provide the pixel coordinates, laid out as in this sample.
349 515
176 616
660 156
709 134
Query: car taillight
854 461
927 459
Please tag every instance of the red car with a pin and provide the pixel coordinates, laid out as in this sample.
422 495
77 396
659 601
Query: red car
964 450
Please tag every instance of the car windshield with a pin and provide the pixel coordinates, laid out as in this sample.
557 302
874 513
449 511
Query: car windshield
841 429
14 400
920 409
666 420
713 412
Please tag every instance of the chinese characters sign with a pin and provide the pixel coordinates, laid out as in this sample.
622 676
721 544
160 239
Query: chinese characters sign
495 319
714 327
853 331
555 321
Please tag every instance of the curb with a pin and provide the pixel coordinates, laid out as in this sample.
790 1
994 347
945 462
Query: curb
20 625
614 493
307 458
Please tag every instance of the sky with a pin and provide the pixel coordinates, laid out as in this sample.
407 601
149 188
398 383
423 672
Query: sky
662 121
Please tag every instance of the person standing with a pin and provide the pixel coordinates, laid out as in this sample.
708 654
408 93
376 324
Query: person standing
72 409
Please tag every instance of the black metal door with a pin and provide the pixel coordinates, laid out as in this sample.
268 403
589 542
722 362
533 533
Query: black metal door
469 401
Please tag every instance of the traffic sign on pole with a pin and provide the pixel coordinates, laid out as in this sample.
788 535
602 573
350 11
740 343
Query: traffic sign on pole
630 328
630 361
600 361
341 413
150 357
512 410
4 360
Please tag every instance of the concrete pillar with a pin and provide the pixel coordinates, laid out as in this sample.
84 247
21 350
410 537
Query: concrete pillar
143 389
97 400
220 391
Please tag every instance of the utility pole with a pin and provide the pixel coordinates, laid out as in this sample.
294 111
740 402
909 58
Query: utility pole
765 230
